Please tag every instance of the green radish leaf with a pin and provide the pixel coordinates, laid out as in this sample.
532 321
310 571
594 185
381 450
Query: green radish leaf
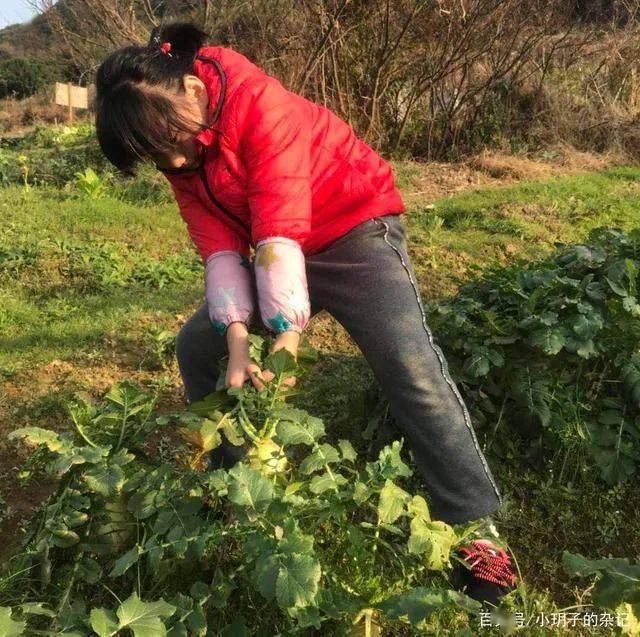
203 433
37 436
78 456
282 363
322 455
348 452
391 503
75 519
216 401
125 562
89 570
294 541
9 627
325 482
418 508
105 479
618 582
144 619
418 604
249 488
389 464
104 622
478 364
433 540
232 431
293 433
630 304
64 538
142 504
297 427
551 341
37 608
265 574
297 581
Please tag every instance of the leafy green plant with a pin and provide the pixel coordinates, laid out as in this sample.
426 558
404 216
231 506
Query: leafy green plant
105 265
70 156
298 528
547 352
617 584
90 184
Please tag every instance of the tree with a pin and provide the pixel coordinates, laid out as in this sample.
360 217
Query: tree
22 77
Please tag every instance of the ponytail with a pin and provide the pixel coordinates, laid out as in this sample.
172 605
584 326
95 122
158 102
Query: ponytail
185 39
134 85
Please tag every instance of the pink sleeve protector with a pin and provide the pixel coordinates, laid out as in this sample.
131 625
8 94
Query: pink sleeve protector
281 282
229 289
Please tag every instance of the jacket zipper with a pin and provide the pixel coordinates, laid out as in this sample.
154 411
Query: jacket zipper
215 200
203 173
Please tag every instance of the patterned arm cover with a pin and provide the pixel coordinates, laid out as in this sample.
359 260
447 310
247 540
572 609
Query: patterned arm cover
281 282
229 289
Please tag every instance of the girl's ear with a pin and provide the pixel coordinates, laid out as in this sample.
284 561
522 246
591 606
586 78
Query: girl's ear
194 87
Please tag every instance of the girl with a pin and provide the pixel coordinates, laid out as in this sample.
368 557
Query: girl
254 165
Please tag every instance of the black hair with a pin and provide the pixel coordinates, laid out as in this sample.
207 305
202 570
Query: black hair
135 89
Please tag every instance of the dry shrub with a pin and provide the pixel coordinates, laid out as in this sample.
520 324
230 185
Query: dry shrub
17 115
596 106
419 78
37 109
501 166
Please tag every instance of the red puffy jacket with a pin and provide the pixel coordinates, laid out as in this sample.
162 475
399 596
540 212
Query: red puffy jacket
275 164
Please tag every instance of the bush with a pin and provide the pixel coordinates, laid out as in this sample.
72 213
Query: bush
548 353
55 155
23 77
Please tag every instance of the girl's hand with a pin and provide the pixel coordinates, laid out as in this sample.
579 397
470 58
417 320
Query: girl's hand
241 370
240 367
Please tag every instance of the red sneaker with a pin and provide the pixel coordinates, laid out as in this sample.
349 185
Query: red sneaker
489 575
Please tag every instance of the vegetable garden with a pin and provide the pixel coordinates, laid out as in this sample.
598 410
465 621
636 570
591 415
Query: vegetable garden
323 528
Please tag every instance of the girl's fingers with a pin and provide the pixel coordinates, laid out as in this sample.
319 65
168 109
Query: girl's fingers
255 374
235 379
269 375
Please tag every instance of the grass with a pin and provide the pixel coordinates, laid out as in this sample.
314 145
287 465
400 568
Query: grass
74 316
68 279
524 220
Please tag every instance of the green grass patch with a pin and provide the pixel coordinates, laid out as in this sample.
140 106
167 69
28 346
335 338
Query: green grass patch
495 224
74 269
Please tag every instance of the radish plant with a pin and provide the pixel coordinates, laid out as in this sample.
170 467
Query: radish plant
299 535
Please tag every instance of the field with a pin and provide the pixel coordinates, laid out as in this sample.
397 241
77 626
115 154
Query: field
96 277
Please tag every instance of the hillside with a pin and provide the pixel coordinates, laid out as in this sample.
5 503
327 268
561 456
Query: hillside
33 39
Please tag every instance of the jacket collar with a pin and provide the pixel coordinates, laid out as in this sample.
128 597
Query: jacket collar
210 71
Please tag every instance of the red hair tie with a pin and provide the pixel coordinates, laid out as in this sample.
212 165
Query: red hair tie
165 47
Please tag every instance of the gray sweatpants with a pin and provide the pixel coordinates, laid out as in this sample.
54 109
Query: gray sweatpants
366 282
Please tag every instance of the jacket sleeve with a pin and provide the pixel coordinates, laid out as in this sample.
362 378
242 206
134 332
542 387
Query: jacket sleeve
275 148
229 288
208 233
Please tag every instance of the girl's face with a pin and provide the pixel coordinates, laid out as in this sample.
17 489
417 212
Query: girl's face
191 105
